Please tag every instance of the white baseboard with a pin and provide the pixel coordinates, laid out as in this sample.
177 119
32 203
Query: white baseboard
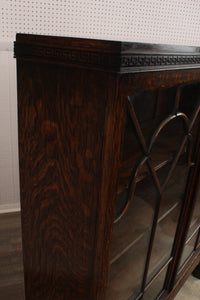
7 208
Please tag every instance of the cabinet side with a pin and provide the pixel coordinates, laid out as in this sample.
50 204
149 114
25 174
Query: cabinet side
69 143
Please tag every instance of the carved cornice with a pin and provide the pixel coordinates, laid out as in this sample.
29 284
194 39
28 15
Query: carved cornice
158 60
102 60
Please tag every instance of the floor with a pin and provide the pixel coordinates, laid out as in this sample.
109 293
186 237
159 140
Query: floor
11 269
190 290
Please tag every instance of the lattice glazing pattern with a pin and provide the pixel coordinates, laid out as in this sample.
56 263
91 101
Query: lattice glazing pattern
146 149
160 185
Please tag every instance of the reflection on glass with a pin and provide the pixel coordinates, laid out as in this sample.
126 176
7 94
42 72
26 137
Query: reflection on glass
168 218
189 99
198 242
130 242
167 144
157 134
188 249
126 273
195 220
193 229
157 286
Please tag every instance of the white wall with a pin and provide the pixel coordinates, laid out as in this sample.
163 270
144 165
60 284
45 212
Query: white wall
151 21
9 178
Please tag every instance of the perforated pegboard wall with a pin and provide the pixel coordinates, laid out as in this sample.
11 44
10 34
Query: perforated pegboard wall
154 21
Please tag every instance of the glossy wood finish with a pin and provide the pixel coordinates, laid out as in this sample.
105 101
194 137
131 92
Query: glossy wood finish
77 152
66 144
113 56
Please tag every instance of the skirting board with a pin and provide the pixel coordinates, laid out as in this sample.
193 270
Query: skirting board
7 208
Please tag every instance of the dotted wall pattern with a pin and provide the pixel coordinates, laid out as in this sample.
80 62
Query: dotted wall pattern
150 21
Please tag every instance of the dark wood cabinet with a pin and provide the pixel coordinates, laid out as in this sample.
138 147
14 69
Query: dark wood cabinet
109 139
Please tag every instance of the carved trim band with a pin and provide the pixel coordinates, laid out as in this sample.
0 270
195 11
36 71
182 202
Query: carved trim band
103 59
66 55
158 60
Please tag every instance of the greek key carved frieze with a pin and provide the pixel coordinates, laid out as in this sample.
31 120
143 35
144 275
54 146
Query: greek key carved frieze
102 58
157 60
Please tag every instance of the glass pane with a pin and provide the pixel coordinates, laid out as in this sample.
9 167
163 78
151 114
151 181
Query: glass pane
126 273
171 203
131 147
195 218
156 288
198 242
195 221
174 191
163 131
167 144
131 240
189 92
188 248
151 108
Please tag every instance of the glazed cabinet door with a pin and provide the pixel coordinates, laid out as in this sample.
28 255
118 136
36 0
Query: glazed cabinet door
191 238
156 162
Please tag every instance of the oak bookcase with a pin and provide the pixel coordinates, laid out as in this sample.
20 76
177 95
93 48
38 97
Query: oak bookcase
109 139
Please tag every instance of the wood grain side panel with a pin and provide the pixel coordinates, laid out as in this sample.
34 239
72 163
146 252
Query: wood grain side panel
61 133
114 129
